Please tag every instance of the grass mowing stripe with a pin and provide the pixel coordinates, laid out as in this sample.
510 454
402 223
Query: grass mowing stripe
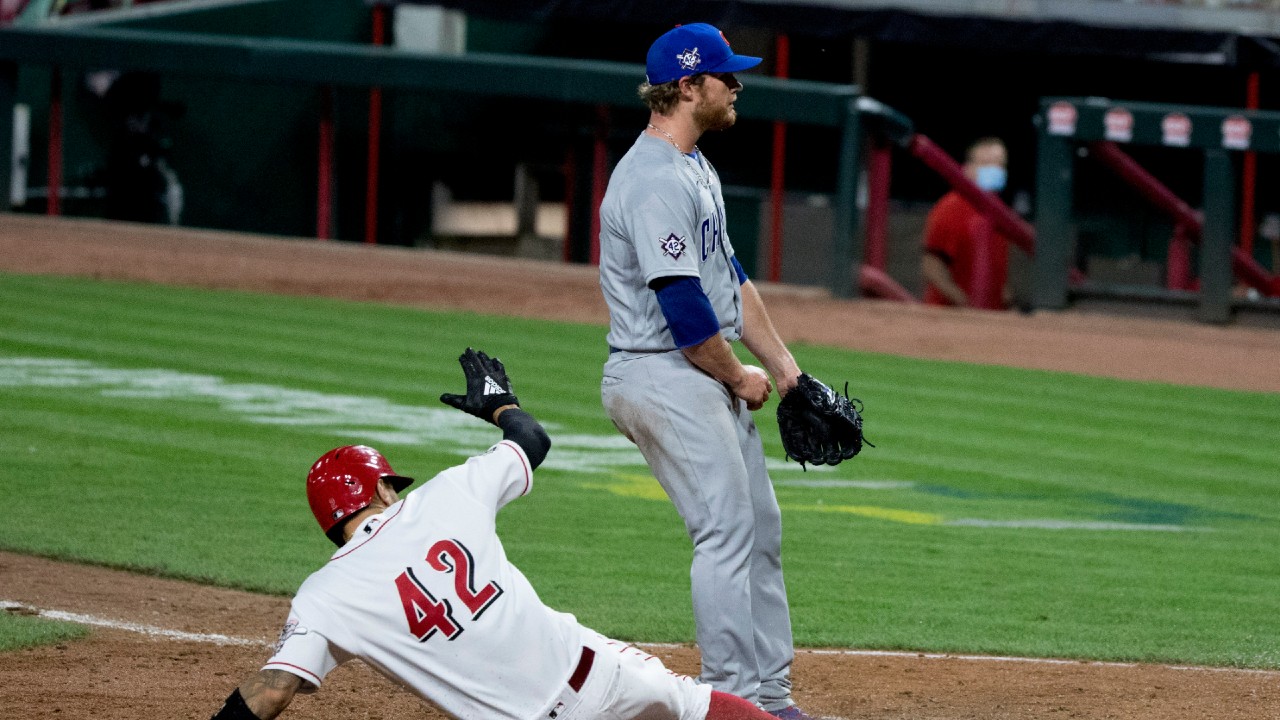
870 370
191 488
1223 490
1104 401
235 339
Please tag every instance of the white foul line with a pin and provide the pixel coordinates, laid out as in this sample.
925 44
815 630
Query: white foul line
218 639
1039 661
82 619
998 658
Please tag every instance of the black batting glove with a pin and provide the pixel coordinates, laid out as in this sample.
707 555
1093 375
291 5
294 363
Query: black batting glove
488 387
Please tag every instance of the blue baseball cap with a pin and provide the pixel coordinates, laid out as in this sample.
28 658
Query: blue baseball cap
692 49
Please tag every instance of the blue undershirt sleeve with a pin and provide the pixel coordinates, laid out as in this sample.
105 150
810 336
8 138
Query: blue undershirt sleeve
737 267
687 309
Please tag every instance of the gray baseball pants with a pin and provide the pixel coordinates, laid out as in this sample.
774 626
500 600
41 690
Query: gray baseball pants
703 447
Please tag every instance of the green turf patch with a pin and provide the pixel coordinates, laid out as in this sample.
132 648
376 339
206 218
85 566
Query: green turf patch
19 631
1003 511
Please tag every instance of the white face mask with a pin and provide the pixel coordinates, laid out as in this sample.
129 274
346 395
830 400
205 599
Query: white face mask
991 178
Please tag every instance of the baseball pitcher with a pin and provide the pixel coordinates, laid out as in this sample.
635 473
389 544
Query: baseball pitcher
677 299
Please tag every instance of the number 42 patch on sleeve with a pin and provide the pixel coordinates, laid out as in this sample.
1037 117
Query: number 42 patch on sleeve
672 245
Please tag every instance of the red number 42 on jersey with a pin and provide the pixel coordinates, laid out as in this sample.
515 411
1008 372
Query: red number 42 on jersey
428 615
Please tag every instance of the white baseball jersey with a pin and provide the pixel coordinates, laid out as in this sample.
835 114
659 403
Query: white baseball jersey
424 594
663 215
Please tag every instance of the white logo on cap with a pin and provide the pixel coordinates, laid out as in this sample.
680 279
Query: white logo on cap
689 59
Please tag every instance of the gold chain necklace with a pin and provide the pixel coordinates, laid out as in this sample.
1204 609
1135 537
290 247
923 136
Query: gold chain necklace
703 180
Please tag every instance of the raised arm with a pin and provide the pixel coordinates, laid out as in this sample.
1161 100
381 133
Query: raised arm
489 397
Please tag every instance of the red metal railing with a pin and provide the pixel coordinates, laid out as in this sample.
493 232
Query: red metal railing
1188 224
54 206
777 183
379 13
324 163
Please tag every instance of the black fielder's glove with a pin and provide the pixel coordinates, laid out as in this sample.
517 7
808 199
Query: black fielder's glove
488 387
818 425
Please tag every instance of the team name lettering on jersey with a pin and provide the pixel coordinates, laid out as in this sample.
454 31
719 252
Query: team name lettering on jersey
711 235
428 615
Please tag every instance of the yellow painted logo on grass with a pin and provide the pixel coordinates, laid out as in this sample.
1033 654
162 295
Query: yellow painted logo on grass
633 485
910 517
636 485
645 487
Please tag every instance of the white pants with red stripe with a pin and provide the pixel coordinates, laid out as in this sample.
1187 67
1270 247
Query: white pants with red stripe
626 683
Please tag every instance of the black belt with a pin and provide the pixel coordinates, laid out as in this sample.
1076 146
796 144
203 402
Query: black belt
580 673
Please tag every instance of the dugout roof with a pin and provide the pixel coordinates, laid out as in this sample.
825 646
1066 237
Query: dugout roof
1167 33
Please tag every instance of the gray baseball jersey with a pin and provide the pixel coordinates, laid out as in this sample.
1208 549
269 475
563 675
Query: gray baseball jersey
664 215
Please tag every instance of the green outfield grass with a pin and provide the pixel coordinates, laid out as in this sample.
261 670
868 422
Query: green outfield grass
1003 511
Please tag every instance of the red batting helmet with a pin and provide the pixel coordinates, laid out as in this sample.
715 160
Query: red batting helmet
343 481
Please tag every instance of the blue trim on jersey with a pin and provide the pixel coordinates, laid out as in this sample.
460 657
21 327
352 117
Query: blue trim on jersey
737 267
688 311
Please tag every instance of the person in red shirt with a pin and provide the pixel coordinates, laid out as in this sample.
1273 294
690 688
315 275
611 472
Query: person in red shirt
957 237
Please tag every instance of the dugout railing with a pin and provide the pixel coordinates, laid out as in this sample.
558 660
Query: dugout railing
1070 127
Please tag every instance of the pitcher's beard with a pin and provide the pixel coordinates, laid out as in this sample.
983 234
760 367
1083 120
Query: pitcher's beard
710 117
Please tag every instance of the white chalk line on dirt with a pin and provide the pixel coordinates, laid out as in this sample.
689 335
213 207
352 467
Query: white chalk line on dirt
1038 661
1000 658
218 639
152 630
